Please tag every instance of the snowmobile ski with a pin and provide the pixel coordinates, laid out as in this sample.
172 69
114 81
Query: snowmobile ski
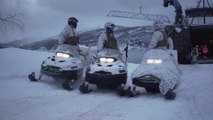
84 88
32 78
131 92
121 91
68 85
170 95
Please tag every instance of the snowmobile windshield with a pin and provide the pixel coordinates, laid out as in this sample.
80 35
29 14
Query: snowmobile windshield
109 53
156 56
69 49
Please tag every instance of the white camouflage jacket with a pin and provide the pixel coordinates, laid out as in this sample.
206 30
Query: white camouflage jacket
101 40
67 32
158 36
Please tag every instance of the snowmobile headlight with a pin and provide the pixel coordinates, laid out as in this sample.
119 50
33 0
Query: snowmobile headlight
63 55
106 60
154 61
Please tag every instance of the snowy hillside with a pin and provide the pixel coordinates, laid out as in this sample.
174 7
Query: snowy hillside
35 43
46 100
2 45
136 35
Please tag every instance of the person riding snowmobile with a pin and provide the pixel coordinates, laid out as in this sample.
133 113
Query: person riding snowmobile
70 59
69 34
160 39
157 72
107 38
108 70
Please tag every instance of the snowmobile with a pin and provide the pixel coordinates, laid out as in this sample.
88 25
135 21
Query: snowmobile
107 71
158 72
68 63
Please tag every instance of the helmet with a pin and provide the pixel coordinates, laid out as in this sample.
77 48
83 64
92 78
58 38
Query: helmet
72 21
109 26
158 25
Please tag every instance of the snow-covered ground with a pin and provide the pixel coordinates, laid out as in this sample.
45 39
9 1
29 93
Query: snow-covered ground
21 99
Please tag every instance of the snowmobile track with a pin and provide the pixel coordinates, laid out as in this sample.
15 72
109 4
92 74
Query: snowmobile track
194 110
27 106
108 108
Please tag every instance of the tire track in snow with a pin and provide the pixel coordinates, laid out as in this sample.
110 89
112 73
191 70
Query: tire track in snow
25 107
193 110
110 109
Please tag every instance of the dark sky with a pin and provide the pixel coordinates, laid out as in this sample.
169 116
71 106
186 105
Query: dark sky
45 18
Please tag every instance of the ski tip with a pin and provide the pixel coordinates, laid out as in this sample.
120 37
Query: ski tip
32 78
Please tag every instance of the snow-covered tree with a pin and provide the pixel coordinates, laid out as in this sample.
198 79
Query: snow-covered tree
10 17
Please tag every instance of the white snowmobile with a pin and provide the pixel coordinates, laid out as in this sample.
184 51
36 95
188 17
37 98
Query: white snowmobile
107 71
67 63
158 72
